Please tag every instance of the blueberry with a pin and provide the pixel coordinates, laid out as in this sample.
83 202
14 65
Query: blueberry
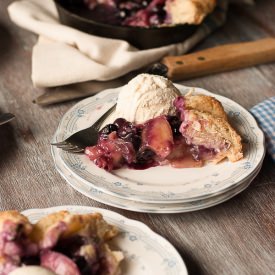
144 3
175 123
120 122
122 13
128 132
109 128
145 155
136 141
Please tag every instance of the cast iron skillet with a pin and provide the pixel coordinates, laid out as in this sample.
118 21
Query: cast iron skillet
73 13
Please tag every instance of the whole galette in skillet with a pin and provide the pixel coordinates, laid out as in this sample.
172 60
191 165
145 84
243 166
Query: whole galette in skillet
59 244
148 13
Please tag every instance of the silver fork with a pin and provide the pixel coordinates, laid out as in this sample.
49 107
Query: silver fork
4 118
77 142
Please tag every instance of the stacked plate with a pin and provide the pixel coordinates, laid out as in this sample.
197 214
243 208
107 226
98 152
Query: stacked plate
160 189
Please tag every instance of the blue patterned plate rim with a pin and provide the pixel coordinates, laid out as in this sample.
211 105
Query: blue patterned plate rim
158 197
154 208
131 205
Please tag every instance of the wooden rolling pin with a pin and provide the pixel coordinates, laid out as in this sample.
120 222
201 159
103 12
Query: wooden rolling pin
220 59
206 62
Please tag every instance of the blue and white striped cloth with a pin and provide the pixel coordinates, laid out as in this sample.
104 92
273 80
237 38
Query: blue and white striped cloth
264 113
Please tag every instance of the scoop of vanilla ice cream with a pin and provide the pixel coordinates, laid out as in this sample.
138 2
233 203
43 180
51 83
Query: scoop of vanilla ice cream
32 270
146 96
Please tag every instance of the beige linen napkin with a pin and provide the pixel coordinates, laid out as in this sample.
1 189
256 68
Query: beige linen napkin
63 55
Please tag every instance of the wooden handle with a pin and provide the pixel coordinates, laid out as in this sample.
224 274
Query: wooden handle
220 59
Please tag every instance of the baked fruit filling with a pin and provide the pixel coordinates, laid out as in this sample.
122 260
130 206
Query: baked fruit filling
188 139
148 13
210 131
62 243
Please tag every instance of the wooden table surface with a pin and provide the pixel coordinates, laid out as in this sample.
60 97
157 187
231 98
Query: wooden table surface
235 237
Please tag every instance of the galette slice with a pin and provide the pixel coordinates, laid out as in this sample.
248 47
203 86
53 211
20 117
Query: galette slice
203 129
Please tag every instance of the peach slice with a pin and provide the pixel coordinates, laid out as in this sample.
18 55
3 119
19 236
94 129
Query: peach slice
157 135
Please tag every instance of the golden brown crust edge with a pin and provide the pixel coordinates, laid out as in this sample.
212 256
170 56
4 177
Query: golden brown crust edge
204 7
75 223
17 218
189 11
206 104
221 128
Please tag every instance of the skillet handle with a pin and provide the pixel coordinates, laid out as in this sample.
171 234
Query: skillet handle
220 59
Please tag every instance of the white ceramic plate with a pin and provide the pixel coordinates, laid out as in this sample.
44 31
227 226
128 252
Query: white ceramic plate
102 197
162 184
145 251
